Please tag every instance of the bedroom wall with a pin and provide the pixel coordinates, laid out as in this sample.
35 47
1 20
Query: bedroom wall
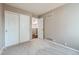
62 25
1 26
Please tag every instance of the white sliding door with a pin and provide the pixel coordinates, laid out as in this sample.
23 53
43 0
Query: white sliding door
40 28
24 28
11 28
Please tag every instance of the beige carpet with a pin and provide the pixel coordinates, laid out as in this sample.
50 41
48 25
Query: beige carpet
38 47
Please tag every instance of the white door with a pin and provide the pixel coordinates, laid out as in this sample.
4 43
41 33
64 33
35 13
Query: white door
40 28
11 28
25 28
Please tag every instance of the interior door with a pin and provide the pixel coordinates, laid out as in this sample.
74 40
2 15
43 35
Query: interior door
11 28
40 28
25 28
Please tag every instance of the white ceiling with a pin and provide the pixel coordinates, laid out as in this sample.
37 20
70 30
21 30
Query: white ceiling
36 8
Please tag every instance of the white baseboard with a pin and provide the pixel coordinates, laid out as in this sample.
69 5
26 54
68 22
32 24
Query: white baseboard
1 50
65 46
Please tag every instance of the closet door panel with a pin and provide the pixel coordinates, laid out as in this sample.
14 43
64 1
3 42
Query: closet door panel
11 28
40 28
24 28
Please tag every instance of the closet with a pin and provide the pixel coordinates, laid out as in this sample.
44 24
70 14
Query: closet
17 28
25 25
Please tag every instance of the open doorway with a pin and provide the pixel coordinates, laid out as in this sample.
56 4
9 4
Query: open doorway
34 28
37 28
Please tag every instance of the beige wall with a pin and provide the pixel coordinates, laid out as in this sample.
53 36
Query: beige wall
1 26
62 25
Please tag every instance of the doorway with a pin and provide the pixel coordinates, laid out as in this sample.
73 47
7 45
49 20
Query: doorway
37 28
34 28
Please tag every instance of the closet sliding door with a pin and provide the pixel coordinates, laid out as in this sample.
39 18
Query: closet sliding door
17 28
11 28
25 28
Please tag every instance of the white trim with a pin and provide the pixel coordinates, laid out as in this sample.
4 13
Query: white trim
1 50
64 46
